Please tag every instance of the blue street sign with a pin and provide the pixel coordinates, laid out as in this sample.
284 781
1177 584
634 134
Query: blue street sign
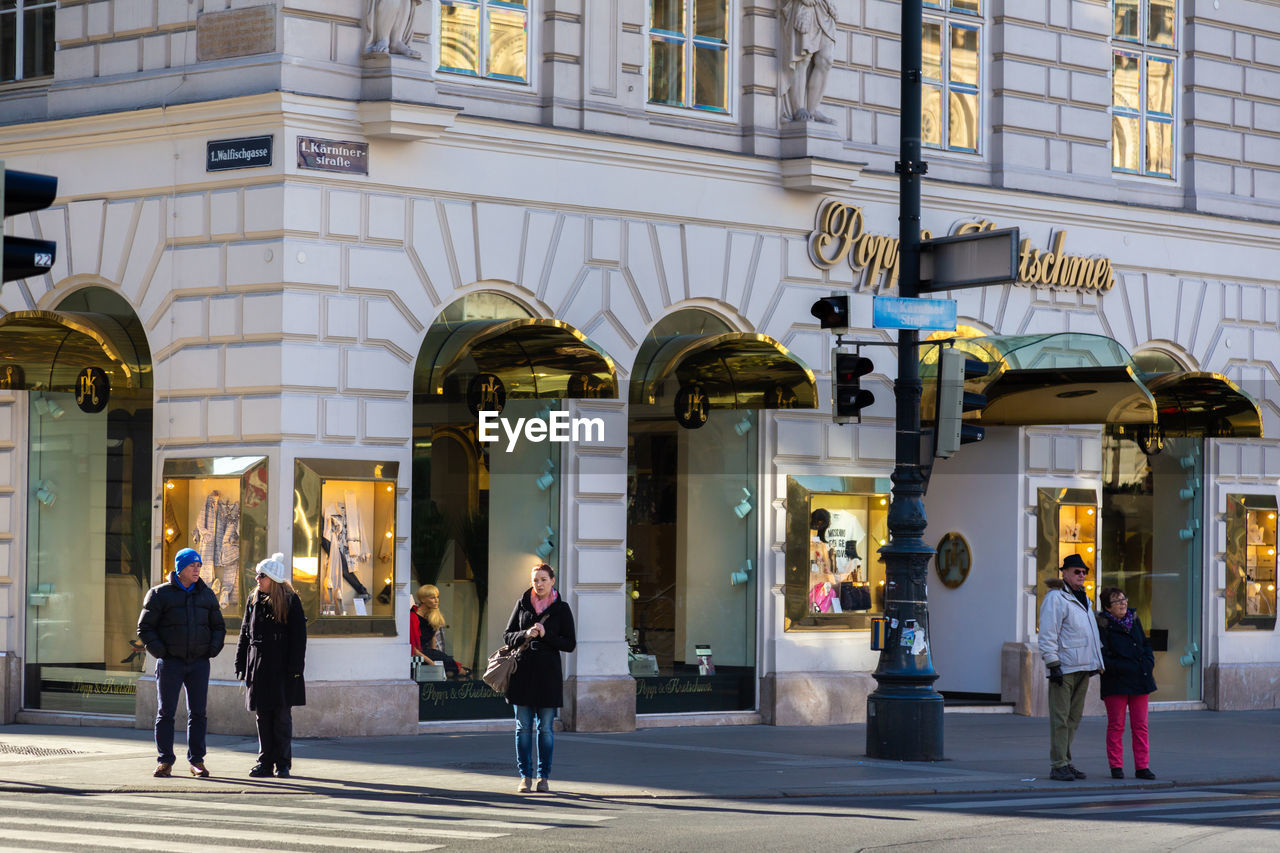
895 312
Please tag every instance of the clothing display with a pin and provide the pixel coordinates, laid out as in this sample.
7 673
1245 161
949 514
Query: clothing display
337 558
217 537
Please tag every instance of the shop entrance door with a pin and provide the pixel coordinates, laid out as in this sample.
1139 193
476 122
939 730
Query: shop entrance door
1152 549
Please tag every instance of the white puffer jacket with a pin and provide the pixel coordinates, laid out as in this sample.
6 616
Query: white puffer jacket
1068 632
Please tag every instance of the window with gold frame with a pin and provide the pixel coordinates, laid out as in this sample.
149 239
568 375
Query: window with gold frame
344 545
689 53
835 529
218 506
485 38
1066 523
1251 562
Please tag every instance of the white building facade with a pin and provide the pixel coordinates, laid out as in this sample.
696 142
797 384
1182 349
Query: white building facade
304 268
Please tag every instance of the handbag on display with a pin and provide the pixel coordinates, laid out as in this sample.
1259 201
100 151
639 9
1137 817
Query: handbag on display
497 672
854 596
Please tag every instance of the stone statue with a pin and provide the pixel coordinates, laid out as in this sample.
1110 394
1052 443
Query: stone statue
807 46
388 26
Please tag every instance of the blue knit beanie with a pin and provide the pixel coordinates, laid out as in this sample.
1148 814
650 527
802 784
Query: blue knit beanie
186 557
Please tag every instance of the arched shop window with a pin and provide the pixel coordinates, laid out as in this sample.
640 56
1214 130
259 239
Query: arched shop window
86 368
485 512
692 511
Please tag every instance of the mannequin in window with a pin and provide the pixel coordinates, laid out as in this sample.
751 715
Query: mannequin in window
822 583
426 631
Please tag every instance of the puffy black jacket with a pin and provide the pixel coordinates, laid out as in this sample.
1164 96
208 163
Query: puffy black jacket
1128 658
181 623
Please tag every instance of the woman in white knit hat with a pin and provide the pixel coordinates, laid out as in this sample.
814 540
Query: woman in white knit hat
270 659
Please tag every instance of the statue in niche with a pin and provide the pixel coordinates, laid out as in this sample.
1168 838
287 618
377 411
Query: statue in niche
388 26
807 47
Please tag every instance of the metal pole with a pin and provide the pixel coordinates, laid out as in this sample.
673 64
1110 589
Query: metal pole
904 713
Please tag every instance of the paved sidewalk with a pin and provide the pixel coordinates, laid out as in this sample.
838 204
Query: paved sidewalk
985 753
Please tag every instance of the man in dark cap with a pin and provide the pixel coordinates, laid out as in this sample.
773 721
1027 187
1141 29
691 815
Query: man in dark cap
181 625
1072 652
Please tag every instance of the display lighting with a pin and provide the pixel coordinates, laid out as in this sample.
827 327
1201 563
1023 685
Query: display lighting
545 479
45 493
743 426
743 508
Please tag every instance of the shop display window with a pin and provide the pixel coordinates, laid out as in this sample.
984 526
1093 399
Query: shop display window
218 506
1067 523
835 529
1251 562
344 545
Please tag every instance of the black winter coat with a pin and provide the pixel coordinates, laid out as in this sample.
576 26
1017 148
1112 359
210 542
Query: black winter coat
538 679
270 656
180 623
1128 658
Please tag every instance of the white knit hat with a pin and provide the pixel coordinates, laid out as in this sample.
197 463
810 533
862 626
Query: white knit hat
274 568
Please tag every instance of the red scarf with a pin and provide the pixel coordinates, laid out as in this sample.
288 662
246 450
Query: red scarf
539 604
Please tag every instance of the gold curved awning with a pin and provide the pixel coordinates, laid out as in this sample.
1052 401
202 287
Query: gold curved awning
1204 404
532 357
736 370
1076 378
46 350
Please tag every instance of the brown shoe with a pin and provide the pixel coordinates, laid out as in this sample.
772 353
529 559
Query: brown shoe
543 787
198 769
163 770
526 785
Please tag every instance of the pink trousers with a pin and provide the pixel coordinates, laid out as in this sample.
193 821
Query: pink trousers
1137 706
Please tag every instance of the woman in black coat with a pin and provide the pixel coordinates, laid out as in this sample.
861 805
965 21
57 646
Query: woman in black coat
1126 682
544 622
270 658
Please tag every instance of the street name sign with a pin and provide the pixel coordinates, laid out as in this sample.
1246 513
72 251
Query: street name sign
978 259
897 312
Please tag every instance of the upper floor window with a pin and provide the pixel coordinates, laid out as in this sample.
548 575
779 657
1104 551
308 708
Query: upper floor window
484 38
26 39
1143 83
951 53
689 54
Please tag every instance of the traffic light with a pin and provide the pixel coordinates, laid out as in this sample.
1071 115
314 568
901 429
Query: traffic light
848 396
22 192
954 401
833 312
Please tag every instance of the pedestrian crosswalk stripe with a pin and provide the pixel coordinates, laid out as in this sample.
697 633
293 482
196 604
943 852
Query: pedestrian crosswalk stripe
1210 815
96 840
279 820
543 818
253 836
1138 808
1014 801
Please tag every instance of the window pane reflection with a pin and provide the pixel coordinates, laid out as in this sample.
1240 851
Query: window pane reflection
711 20
964 55
460 38
666 72
37 42
931 51
507 44
1160 26
931 116
1124 143
8 35
1126 19
709 83
1159 147
1160 86
1125 79
667 15
972 7
963 121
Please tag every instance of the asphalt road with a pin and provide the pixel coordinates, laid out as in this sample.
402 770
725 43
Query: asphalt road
1233 818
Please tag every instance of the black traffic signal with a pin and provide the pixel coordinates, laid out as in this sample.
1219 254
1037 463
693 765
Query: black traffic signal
832 311
848 396
22 192
954 401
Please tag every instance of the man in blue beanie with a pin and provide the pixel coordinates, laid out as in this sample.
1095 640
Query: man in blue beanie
182 627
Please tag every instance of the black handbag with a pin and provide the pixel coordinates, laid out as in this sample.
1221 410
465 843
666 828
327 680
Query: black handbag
854 596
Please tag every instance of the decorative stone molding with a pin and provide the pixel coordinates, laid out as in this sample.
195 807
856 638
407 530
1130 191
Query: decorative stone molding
405 122
816 175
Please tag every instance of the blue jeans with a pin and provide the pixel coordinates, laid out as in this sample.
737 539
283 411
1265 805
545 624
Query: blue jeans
526 717
172 674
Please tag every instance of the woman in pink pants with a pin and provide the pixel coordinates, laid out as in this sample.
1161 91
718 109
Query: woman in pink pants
1126 682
